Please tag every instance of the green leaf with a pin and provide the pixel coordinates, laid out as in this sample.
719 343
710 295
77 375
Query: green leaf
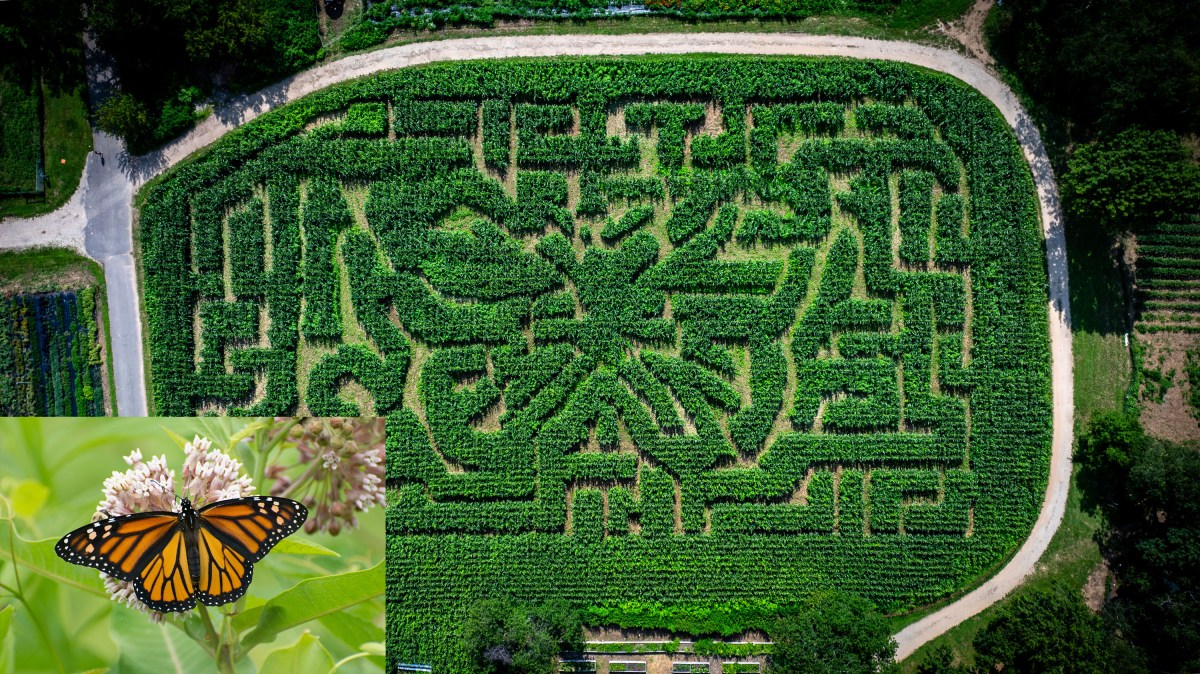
28 497
146 648
350 629
374 648
39 557
306 656
309 600
7 651
175 437
299 546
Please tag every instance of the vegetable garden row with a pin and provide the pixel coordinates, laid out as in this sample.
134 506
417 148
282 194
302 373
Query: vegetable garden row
49 345
1168 278
675 339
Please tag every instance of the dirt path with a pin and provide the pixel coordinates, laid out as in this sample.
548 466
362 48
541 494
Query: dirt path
968 30
967 69
60 228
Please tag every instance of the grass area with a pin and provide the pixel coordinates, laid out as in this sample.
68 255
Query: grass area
818 25
67 135
46 269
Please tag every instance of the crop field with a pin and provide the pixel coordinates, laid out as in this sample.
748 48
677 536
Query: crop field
49 345
675 339
1168 270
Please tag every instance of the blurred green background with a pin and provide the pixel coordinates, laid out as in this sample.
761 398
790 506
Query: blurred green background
57 617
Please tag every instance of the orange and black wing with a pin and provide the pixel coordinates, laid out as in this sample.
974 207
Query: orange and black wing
146 549
236 533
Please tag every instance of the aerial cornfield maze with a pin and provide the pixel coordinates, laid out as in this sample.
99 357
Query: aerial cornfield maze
675 339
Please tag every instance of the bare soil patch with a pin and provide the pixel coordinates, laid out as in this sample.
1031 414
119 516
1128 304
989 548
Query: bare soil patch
1170 419
968 31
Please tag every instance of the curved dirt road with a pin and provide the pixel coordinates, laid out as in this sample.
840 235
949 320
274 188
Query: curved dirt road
239 111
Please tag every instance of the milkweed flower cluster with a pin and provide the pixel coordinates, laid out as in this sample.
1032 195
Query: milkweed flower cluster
209 475
340 470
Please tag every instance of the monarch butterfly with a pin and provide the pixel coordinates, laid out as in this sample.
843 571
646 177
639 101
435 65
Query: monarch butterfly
173 559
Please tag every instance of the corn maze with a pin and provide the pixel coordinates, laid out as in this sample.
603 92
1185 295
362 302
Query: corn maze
650 333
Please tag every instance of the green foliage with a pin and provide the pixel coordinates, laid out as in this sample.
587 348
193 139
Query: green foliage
500 636
832 632
1048 630
738 369
20 131
306 656
50 346
167 52
381 20
1114 441
1146 75
1157 605
1129 180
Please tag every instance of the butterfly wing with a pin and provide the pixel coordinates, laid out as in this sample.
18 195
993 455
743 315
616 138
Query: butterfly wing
119 546
224 572
165 584
235 534
146 549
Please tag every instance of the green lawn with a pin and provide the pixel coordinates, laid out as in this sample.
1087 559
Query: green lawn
67 135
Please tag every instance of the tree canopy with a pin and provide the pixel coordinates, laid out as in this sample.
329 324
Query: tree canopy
833 632
504 637
1131 179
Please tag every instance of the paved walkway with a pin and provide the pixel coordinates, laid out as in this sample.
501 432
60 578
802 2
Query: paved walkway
243 109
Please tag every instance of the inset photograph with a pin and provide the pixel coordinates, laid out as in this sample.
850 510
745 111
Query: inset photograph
192 545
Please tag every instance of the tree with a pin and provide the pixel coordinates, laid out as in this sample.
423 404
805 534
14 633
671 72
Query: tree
1050 629
504 637
833 632
1159 594
1113 442
1105 65
1134 178
939 660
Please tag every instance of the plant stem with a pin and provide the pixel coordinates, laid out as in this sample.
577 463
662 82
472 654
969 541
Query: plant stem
346 659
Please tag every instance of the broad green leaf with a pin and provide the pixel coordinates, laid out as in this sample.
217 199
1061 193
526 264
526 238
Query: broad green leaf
306 656
28 497
39 557
7 645
147 648
309 600
350 629
299 546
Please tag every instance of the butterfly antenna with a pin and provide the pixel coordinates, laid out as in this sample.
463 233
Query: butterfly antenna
160 486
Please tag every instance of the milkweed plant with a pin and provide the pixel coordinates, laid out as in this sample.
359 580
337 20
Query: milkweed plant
335 467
